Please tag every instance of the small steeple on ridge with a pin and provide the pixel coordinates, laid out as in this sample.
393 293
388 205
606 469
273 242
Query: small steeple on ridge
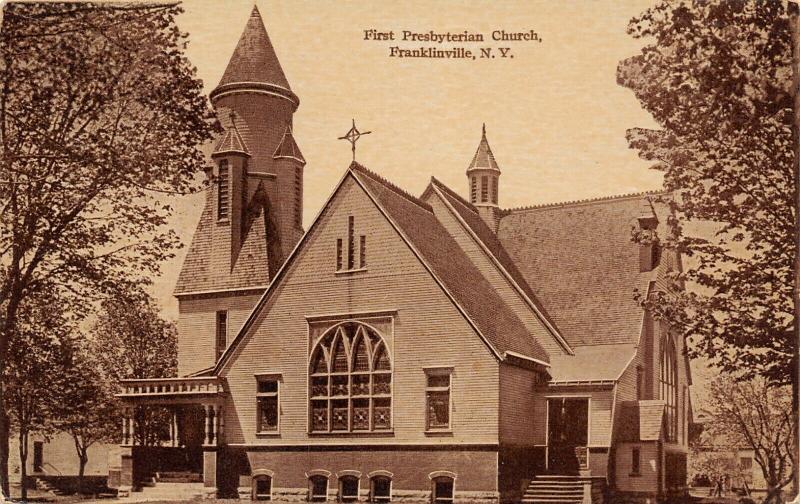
483 158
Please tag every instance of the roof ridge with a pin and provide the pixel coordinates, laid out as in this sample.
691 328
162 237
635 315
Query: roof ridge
586 201
355 166
441 185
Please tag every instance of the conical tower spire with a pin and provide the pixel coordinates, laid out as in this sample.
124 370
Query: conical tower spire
254 65
483 159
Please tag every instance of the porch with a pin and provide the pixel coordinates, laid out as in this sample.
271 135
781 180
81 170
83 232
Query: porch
172 429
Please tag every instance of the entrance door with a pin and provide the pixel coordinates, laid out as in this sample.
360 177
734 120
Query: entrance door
567 428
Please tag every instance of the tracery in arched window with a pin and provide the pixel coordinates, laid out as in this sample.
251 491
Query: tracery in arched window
669 387
351 381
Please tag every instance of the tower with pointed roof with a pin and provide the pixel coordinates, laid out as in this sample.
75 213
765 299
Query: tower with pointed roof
253 214
254 88
483 175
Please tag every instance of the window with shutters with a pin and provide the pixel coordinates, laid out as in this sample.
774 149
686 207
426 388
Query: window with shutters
351 253
484 189
351 381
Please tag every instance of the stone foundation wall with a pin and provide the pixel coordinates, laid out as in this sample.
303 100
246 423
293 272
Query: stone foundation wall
398 496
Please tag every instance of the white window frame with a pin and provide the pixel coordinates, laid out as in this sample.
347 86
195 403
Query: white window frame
260 475
268 377
438 475
380 475
439 371
341 478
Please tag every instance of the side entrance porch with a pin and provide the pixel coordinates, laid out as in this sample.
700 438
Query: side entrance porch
184 458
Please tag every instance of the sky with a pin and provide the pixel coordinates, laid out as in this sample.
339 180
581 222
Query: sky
554 114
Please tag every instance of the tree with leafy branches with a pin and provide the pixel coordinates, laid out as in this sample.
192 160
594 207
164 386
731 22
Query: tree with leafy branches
101 119
38 360
755 413
130 339
717 78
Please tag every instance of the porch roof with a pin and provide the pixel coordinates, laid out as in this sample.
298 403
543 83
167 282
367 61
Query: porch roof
171 390
641 420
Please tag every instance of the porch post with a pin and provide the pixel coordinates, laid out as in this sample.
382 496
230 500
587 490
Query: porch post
173 428
207 440
215 424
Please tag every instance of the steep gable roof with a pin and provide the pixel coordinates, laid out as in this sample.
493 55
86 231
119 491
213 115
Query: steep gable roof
231 142
580 259
503 332
469 216
415 220
254 60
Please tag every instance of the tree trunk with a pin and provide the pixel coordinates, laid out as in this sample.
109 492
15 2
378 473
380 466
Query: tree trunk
23 464
794 27
83 458
4 446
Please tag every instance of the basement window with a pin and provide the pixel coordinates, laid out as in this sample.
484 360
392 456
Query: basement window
380 489
262 487
318 488
443 489
348 489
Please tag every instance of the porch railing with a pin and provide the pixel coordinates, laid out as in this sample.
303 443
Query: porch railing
171 386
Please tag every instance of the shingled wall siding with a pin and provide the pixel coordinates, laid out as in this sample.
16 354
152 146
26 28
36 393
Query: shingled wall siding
599 412
517 406
648 472
497 279
428 331
197 326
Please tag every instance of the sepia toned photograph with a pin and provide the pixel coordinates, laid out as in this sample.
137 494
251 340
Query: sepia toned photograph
408 252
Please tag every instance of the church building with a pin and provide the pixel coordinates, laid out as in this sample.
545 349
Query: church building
432 348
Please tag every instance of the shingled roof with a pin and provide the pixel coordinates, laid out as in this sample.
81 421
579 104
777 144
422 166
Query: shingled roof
580 260
201 271
483 158
641 420
497 322
230 142
288 148
254 60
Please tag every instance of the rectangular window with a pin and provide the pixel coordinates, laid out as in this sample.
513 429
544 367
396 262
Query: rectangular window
263 488
362 252
319 488
437 396
267 397
494 190
746 464
222 332
223 185
443 491
339 254
484 189
381 489
351 245
348 490
636 461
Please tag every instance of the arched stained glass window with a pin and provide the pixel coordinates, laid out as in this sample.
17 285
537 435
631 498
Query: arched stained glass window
669 387
355 393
